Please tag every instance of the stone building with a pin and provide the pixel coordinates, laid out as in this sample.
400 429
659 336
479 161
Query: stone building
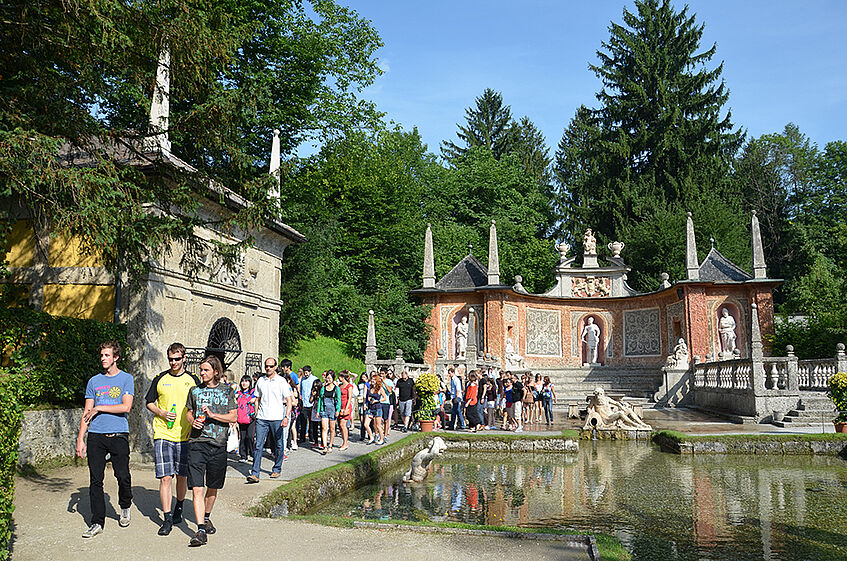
232 312
591 329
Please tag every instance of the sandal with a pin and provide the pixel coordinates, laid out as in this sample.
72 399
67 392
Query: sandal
343 447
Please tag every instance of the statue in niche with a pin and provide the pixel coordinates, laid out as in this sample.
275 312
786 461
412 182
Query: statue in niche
513 359
589 243
726 329
679 358
607 413
591 338
462 338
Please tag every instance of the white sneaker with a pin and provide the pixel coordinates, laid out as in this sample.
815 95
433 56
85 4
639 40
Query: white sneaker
519 429
294 446
125 516
92 531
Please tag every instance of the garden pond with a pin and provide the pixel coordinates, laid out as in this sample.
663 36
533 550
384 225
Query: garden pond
662 506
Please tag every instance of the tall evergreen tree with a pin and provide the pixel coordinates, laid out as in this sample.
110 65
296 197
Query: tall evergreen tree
658 142
489 125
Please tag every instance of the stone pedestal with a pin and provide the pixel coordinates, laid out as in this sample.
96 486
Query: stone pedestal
675 388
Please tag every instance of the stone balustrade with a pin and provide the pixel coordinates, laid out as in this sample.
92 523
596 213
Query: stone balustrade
756 387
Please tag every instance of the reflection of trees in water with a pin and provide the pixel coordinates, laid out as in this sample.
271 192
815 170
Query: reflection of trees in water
663 506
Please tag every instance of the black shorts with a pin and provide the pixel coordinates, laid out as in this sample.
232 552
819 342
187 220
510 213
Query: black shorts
206 465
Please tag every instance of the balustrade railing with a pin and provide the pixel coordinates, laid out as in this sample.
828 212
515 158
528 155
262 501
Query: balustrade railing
813 375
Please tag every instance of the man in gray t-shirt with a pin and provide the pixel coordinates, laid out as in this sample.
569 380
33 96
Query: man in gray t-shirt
210 409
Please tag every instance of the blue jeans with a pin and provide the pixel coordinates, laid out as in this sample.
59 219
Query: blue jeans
457 414
548 408
278 435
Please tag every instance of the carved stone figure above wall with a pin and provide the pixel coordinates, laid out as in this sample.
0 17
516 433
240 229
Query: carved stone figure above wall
641 333
543 332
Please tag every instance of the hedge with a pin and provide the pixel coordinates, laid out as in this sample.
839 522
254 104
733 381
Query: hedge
10 429
53 357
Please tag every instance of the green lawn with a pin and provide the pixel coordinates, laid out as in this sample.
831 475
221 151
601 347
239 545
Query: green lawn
324 353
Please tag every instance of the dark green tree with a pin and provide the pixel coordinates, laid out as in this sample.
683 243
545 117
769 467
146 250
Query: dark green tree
659 140
79 74
489 125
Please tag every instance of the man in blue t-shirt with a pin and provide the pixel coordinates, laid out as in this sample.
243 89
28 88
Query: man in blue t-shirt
108 398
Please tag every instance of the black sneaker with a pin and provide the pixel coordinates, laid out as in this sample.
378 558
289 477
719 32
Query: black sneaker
198 539
166 527
177 515
210 528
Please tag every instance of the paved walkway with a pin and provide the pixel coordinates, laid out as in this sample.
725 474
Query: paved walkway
52 511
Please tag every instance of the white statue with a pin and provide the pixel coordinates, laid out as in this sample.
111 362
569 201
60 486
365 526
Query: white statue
679 358
513 359
589 243
462 338
726 328
422 459
591 338
605 413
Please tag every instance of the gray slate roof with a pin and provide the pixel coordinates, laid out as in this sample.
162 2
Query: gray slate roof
468 273
716 267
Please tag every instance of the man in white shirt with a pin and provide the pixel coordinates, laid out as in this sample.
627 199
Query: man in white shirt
274 401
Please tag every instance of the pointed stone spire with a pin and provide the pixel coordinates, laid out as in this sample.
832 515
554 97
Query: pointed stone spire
160 107
429 260
470 351
759 266
370 344
493 256
756 348
692 266
275 163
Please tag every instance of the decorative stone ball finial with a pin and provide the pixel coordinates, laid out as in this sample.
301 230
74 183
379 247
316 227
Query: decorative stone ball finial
839 348
370 312
399 353
664 277
789 349
518 279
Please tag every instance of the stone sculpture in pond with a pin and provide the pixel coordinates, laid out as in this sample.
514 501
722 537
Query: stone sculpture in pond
422 459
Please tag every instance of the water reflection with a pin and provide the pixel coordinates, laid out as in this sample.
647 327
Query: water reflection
662 506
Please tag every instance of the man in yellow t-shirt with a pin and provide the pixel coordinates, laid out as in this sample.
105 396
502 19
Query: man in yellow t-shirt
166 399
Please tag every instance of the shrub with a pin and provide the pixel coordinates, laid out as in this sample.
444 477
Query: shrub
426 385
52 357
10 428
837 392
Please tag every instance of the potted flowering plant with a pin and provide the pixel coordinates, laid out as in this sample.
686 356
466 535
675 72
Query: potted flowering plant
837 392
427 385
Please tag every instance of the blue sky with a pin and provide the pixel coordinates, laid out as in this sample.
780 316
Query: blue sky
783 61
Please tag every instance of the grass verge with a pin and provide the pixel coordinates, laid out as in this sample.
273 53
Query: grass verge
610 548
680 437
325 353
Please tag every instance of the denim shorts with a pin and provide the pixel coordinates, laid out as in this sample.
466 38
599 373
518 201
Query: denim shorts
375 412
328 414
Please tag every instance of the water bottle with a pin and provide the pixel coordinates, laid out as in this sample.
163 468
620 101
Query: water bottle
171 421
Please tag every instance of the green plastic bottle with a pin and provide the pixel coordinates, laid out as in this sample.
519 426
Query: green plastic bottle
173 410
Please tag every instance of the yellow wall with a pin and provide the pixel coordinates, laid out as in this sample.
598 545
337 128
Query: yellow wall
20 247
85 301
67 252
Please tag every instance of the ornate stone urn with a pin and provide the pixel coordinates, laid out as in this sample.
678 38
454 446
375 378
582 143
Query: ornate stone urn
616 248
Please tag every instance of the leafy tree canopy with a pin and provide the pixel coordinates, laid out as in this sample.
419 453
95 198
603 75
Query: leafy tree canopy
80 73
659 141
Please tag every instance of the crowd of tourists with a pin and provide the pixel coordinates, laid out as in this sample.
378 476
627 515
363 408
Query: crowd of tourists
198 420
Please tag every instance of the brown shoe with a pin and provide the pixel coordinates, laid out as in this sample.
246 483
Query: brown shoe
274 475
252 479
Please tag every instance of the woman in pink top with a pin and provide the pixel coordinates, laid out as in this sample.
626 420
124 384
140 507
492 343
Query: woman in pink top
346 415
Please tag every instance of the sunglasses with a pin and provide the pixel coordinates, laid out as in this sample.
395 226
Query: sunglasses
175 358
269 366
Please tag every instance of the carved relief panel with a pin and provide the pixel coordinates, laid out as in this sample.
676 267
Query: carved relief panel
641 333
591 287
543 332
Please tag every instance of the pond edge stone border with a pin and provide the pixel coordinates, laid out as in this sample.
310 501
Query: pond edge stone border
312 490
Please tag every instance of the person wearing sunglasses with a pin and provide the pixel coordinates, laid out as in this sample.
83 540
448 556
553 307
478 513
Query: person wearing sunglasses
166 400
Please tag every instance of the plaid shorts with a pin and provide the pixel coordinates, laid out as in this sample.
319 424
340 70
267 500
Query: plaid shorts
170 457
